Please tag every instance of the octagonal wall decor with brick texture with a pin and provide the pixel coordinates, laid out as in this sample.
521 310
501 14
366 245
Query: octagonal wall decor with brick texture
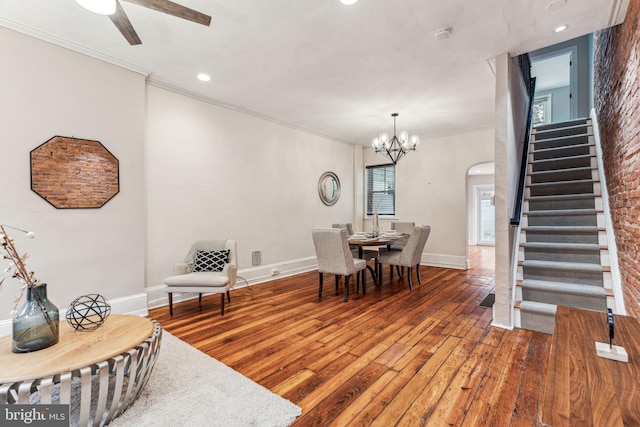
72 173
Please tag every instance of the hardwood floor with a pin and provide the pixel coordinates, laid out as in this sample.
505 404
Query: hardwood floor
389 357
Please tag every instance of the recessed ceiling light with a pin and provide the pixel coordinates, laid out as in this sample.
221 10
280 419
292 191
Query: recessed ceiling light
560 29
348 2
204 77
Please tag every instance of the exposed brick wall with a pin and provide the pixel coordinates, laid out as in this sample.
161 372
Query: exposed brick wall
617 105
74 173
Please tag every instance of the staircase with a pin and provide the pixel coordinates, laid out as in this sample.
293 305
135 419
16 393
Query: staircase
563 257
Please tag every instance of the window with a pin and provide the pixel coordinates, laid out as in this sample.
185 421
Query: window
485 214
381 189
542 110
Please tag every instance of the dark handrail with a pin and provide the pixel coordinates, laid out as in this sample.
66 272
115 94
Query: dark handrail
530 83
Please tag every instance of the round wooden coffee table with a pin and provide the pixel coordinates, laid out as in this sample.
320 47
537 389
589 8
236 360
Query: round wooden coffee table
112 363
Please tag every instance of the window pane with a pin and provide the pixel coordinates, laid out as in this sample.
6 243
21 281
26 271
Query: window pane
381 186
538 113
487 217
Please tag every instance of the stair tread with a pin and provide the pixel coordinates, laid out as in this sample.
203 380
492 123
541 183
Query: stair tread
564 158
567 288
564 147
562 228
573 181
580 121
557 138
540 307
562 212
563 170
568 246
575 123
546 135
561 265
562 197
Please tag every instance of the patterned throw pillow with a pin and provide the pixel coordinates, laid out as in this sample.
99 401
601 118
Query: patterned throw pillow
211 260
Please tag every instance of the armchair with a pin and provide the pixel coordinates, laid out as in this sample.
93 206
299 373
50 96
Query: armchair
210 267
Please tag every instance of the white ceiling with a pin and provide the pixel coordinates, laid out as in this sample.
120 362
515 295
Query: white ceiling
335 70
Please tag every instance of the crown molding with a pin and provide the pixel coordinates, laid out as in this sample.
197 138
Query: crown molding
67 44
180 91
618 12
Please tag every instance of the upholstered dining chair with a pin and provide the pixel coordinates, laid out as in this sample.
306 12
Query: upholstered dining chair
210 267
404 227
334 257
409 256
346 225
367 254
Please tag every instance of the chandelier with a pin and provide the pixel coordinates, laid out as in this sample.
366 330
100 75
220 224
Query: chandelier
396 147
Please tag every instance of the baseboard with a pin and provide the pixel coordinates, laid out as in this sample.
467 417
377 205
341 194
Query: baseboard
445 261
132 304
157 297
502 326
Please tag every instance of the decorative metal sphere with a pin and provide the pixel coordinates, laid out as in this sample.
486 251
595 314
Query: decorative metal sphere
88 312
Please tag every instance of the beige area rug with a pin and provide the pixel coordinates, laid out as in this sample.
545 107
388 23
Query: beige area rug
189 388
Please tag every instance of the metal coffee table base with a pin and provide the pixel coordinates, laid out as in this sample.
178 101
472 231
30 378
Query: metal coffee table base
97 393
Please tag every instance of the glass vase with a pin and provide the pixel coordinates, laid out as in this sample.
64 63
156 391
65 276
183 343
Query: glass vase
375 226
36 324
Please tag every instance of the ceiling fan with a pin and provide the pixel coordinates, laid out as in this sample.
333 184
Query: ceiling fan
116 13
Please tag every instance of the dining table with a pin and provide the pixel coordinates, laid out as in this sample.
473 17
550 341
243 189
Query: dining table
381 240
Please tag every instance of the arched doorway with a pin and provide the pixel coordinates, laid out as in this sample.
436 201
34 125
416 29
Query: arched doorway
481 216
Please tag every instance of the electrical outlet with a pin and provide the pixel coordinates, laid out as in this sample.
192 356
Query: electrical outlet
256 258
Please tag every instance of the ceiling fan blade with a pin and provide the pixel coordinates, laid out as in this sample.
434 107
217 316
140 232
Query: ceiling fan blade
122 23
174 9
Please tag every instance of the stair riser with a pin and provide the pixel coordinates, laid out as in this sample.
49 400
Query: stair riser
561 220
561 175
558 133
592 257
561 125
602 253
562 163
544 205
539 322
577 301
560 142
577 150
532 236
563 276
555 189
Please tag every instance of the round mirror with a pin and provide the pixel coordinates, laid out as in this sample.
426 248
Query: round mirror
329 188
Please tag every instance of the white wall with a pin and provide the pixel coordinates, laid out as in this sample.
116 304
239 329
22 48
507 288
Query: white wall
510 126
217 173
581 72
191 170
47 91
431 190
560 103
